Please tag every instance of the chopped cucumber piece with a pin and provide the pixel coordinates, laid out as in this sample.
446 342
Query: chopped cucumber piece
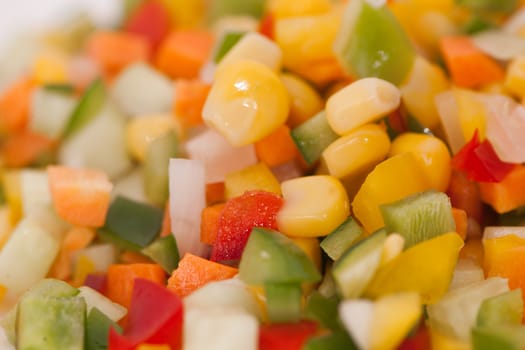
156 164
283 301
88 108
502 309
419 217
97 330
337 242
226 8
333 341
136 224
501 338
313 136
50 322
356 267
271 257
372 43
164 252
323 310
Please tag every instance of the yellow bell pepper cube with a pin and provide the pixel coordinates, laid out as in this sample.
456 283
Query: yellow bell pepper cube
426 268
305 101
294 8
50 68
255 177
423 83
313 206
391 180
153 347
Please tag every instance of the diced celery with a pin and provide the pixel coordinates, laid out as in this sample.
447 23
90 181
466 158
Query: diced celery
502 309
337 242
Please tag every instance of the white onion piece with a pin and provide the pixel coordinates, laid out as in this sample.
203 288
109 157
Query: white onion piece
113 311
207 72
466 272
515 22
131 186
499 44
187 199
34 189
506 127
501 231
448 113
4 342
50 111
102 255
218 155
141 90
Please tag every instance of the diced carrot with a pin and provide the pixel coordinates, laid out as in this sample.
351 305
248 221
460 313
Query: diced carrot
469 67
76 238
182 53
80 196
460 218
115 50
25 147
14 106
507 194
464 194
214 193
191 95
194 272
277 148
121 277
210 223
166 221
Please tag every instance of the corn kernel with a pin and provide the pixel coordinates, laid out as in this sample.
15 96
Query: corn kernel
515 77
392 247
255 177
307 40
425 81
361 149
50 68
391 180
305 100
431 153
13 194
246 103
186 13
254 46
313 206
363 101
293 8
142 131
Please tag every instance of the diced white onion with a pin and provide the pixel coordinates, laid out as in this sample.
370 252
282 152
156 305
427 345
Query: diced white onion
501 231
448 113
34 188
499 44
50 112
102 255
218 155
112 310
187 199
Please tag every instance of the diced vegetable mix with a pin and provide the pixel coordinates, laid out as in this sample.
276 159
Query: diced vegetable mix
279 174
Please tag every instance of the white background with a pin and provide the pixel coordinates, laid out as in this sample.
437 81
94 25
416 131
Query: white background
17 16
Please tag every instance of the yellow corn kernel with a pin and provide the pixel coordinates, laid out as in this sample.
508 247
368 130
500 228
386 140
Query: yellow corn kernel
391 180
293 8
13 194
3 292
305 101
442 341
357 151
306 40
186 13
142 131
84 267
425 81
313 206
393 246
363 101
256 47
310 245
246 103
515 77
50 68
254 177
153 347
430 152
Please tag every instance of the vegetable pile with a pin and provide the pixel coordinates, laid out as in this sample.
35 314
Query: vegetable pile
256 175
